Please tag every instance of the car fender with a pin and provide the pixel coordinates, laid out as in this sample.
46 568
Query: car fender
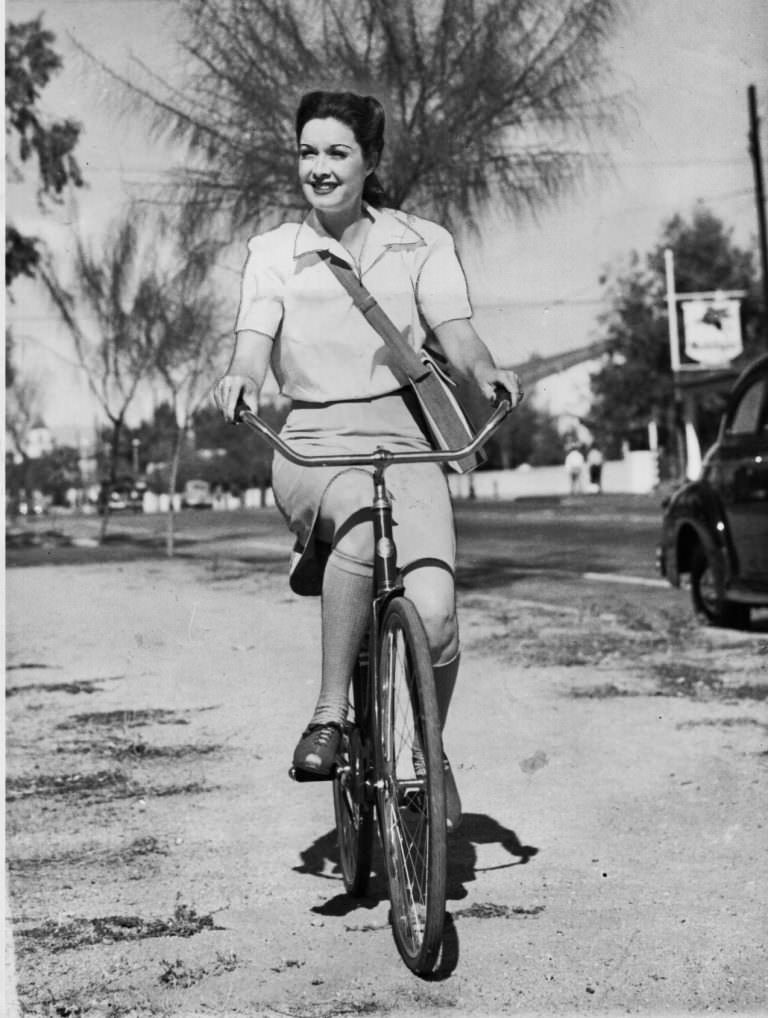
699 519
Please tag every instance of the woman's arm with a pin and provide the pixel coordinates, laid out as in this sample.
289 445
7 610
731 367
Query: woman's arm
472 358
245 374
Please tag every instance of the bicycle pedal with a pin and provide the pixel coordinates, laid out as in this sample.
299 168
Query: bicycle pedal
298 775
413 798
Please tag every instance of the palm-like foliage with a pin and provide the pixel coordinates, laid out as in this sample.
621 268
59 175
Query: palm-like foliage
485 98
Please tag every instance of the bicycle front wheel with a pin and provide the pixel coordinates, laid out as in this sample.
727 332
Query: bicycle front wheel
410 789
352 804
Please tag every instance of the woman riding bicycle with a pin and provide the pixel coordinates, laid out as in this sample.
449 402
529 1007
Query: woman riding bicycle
348 397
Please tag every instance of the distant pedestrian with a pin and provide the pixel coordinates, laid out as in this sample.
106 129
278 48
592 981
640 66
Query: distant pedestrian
574 465
595 467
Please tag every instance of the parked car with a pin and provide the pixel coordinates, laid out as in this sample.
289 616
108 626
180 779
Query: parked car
123 497
197 495
715 529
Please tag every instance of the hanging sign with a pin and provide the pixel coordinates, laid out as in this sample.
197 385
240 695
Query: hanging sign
712 330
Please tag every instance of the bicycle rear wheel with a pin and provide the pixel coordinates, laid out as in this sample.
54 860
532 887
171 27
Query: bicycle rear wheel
352 805
410 790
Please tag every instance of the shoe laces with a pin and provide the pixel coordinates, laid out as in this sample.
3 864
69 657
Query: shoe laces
322 734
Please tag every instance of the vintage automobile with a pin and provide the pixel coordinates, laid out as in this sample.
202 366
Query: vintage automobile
124 496
715 528
197 495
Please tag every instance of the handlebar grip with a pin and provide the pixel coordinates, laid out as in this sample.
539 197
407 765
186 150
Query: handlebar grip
240 406
500 393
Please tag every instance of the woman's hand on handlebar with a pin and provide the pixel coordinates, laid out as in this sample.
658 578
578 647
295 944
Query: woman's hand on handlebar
227 392
492 379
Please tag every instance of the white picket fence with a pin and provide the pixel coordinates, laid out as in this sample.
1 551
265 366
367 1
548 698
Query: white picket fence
637 473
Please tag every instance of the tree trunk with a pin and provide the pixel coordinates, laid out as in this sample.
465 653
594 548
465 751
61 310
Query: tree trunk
170 528
114 446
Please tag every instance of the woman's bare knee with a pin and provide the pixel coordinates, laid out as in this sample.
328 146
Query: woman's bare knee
432 591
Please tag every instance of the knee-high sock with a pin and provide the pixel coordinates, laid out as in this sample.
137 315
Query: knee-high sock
445 683
346 609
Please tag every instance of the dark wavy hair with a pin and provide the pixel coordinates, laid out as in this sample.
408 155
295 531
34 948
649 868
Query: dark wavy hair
364 116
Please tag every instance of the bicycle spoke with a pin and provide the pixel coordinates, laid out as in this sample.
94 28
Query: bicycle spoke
415 862
354 817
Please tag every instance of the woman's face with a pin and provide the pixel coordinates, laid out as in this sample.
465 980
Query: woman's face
332 167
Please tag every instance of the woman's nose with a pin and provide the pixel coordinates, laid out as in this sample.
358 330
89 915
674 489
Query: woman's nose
320 167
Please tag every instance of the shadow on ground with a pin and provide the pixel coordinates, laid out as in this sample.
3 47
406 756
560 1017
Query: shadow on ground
321 859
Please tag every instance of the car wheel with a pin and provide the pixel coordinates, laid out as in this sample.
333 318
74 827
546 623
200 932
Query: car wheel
707 602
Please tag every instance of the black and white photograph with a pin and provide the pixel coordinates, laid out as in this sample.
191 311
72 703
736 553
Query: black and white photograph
386 508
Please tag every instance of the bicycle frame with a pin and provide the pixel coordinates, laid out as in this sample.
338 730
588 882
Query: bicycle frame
385 562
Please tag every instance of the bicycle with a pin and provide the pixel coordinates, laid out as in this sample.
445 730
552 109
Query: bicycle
391 756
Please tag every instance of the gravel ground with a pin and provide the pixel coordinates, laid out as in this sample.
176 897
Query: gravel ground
612 762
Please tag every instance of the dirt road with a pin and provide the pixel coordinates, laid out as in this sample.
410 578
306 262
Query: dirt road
612 765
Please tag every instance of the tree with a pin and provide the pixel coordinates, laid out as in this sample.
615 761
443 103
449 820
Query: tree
115 315
30 63
635 385
528 436
189 340
244 459
23 405
54 473
485 99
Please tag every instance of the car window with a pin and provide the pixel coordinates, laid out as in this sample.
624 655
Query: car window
745 417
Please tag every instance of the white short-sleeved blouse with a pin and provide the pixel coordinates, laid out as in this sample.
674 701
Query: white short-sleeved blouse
325 350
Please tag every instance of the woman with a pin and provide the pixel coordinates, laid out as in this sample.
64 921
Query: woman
348 396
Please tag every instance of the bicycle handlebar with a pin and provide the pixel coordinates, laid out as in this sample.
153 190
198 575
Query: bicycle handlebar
379 456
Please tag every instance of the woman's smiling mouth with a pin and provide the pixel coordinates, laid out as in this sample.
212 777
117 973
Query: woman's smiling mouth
323 186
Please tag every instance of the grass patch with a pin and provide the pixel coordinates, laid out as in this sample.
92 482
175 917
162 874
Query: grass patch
700 682
134 750
178 974
98 786
607 691
28 664
55 937
124 719
722 723
144 751
489 910
78 686
139 848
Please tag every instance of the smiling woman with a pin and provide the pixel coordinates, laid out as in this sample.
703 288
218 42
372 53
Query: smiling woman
349 394
341 138
333 171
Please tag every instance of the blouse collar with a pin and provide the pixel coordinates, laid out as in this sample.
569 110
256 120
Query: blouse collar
389 229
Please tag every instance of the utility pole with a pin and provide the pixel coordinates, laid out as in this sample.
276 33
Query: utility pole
754 151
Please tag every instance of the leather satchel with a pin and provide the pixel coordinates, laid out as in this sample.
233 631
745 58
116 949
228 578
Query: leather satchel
446 421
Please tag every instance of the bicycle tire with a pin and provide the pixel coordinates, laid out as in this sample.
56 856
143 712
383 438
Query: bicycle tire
411 799
352 805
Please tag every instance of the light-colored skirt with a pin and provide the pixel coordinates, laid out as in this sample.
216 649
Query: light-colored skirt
422 512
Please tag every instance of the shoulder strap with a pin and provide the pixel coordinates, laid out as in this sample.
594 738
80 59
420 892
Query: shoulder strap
407 358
